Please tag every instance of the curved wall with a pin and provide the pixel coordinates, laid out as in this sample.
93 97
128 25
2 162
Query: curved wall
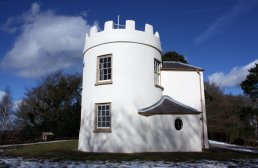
132 87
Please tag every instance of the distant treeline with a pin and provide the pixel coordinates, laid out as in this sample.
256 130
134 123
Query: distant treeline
53 105
230 118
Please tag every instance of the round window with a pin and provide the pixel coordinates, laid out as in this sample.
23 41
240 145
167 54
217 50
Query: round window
178 124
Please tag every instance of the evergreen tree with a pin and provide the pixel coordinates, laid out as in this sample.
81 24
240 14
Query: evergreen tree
174 56
250 84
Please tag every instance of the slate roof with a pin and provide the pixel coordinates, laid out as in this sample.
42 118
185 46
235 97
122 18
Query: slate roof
173 65
167 105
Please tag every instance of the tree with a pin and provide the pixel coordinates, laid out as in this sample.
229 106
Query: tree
174 56
53 105
229 117
250 88
250 84
5 109
5 113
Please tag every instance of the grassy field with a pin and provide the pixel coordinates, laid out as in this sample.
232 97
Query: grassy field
67 150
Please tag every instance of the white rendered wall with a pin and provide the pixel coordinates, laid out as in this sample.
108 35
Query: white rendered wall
163 137
133 88
187 88
183 86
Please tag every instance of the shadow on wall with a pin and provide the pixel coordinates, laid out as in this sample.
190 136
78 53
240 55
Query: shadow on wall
167 138
132 132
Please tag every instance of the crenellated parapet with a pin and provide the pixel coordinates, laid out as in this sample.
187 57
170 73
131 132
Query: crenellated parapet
110 34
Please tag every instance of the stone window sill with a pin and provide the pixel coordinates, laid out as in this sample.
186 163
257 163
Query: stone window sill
102 131
103 83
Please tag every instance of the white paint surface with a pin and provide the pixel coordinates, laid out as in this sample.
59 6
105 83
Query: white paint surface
133 88
183 86
187 88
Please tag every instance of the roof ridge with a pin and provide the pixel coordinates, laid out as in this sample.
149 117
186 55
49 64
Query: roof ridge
188 65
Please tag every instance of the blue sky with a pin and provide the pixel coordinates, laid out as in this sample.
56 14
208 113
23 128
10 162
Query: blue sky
38 37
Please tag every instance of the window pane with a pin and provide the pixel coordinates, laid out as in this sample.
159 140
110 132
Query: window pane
105 71
101 75
103 113
107 107
178 124
103 118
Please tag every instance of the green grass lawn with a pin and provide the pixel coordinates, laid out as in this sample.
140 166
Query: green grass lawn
67 150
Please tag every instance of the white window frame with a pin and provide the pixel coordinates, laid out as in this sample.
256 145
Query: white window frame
103 117
104 69
157 73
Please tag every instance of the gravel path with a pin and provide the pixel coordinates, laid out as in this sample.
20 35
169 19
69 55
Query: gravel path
15 145
27 163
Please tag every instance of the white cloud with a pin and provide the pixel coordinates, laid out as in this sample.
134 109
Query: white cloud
240 8
35 8
16 105
46 42
233 78
2 94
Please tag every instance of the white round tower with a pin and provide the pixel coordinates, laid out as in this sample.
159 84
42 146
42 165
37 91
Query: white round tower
120 76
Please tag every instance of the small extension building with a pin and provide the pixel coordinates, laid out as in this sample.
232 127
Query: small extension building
134 102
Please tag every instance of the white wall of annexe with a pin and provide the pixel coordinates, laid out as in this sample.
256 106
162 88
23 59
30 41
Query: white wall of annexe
183 86
132 88
187 87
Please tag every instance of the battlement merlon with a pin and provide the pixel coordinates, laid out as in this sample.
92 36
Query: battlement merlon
127 34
